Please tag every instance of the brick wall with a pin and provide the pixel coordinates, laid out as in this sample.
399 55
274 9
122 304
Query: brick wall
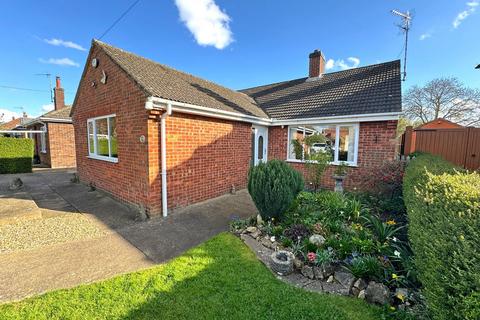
61 145
377 143
205 157
128 180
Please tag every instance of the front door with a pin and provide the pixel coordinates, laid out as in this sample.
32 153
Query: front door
260 144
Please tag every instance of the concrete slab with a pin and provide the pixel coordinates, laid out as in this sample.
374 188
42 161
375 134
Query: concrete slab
128 245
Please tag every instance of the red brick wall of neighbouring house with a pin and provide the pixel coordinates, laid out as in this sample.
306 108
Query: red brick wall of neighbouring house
127 180
61 145
377 143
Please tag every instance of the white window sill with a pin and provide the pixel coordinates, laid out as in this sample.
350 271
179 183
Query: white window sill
349 164
43 151
107 159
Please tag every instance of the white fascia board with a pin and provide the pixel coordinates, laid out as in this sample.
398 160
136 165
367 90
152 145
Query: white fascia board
154 103
160 103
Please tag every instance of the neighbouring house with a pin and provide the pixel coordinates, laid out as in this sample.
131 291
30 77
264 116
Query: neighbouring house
440 123
160 138
14 125
55 147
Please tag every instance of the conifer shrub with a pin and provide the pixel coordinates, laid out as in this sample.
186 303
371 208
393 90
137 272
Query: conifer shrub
273 186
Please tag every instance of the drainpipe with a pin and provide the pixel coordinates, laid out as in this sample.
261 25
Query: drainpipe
163 157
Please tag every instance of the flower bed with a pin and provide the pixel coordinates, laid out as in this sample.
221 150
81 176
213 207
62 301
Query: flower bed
348 245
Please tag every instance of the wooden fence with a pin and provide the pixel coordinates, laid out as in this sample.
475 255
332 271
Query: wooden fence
460 145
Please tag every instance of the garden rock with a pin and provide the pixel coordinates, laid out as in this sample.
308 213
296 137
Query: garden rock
259 220
335 288
298 264
256 234
317 240
307 271
346 279
376 293
360 284
282 262
361 295
330 279
251 229
16 184
317 272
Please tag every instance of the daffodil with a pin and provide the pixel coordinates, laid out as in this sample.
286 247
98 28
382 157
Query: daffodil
394 276
391 222
401 297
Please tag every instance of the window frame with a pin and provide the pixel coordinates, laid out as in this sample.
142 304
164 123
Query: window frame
337 126
43 140
95 154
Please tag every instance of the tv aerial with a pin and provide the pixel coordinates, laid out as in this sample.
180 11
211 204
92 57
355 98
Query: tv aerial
49 77
405 27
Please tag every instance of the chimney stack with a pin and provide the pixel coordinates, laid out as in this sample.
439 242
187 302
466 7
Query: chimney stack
58 95
317 64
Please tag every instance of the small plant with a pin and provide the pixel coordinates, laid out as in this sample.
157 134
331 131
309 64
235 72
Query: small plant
367 267
324 257
237 224
383 231
273 186
316 164
297 232
341 169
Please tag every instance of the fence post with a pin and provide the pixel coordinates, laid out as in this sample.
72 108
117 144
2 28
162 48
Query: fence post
409 146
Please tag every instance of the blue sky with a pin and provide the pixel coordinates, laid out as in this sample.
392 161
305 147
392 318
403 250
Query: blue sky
238 43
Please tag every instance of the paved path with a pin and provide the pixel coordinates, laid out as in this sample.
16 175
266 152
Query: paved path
127 246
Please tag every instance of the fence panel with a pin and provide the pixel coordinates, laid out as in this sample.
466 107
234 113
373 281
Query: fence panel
460 145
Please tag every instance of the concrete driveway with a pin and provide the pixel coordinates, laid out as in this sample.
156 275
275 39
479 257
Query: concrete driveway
119 243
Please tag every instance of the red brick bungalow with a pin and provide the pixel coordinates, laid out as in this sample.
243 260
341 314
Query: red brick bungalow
161 138
55 147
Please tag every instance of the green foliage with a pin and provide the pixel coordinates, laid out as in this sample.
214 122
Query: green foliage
220 279
316 165
366 267
273 186
324 257
443 205
383 231
16 155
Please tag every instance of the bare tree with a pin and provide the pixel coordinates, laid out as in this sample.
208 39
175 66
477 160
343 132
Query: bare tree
446 98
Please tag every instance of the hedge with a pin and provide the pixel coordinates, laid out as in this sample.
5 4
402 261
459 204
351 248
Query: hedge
16 155
443 205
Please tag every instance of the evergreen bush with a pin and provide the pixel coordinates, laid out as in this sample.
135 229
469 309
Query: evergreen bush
273 186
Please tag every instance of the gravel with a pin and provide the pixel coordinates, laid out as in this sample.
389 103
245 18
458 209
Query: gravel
43 232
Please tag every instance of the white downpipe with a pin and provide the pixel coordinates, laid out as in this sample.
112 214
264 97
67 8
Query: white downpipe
163 157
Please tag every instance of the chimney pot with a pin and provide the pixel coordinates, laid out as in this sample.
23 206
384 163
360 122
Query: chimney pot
317 64
58 95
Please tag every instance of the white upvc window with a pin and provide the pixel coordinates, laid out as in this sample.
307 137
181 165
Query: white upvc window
340 141
102 138
43 143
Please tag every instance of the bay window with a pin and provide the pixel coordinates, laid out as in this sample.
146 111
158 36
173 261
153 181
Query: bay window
338 141
102 138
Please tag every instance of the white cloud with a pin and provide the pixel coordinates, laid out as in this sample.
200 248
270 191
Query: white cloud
351 62
7 115
63 43
425 35
471 8
61 62
48 107
206 21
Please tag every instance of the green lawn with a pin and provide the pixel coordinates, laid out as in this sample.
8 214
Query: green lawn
220 279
